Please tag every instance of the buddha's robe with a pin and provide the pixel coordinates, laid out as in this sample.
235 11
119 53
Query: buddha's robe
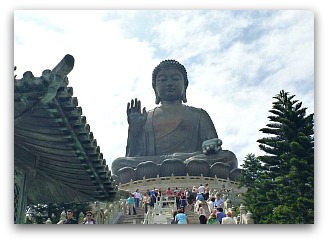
179 136
183 133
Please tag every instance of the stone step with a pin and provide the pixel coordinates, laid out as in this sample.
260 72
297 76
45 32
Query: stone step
139 217
131 219
193 217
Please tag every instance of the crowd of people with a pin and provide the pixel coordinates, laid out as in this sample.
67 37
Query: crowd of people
196 199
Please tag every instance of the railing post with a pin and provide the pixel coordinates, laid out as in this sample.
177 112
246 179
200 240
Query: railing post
111 212
249 218
97 212
48 221
81 218
62 217
233 211
242 209
227 205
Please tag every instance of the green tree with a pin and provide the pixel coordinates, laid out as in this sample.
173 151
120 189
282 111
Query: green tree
249 177
289 163
283 191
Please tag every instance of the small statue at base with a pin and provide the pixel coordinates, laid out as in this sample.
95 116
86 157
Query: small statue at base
173 138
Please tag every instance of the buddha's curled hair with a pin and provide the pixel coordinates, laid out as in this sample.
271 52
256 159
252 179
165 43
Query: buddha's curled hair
167 64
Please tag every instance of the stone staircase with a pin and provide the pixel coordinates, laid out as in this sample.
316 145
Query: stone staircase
192 216
139 217
133 219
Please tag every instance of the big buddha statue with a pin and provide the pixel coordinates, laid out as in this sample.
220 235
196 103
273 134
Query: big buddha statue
172 138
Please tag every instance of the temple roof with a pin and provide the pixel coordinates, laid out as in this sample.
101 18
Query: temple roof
53 142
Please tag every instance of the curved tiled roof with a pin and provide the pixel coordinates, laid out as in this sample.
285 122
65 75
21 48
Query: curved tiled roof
53 142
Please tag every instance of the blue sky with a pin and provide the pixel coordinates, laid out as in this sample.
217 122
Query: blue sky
236 60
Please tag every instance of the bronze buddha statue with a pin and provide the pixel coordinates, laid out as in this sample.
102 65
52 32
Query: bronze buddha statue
172 138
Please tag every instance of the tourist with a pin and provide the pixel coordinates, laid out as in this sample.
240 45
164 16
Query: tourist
183 201
146 201
177 194
181 218
153 198
212 218
201 214
207 192
89 218
201 189
210 204
130 204
200 197
69 219
228 219
220 214
169 193
218 202
173 221
137 196
190 199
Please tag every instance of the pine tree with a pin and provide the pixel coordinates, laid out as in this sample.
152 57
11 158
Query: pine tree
281 183
250 175
287 171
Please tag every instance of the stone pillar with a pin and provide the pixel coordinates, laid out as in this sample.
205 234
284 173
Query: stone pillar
62 217
242 209
227 204
233 211
48 221
242 214
111 211
81 218
249 218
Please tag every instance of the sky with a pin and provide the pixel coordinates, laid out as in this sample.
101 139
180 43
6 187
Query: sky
236 60
239 60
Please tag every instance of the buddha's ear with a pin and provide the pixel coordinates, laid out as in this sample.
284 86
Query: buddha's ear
157 99
184 96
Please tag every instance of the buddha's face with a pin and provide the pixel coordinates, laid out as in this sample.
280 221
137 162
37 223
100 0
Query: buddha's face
170 85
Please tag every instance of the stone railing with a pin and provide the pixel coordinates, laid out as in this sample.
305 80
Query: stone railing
109 213
245 218
103 213
183 182
161 214
242 217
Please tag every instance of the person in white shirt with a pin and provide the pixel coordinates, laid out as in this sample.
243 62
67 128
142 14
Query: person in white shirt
228 219
210 204
218 202
201 189
137 198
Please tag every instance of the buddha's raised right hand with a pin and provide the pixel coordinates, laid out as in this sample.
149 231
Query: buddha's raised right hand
136 118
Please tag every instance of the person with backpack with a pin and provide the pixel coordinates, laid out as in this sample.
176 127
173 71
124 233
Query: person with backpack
190 199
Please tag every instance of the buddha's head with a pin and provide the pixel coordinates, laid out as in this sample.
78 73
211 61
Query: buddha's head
170 81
